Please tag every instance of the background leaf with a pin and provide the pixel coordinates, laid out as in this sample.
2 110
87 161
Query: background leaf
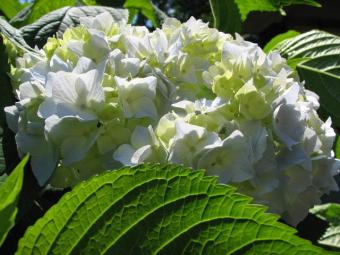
10 191
10 7
247 6
226 15
42 7
3 178
155 209
278 39
56 22
322 71
143 6
330 213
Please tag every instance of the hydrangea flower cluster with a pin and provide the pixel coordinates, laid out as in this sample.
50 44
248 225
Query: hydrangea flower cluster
109 94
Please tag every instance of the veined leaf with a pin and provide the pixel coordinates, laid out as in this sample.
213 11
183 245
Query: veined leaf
226 15
56 22
154 209
322 71
279 38
10 191
331 214
15 36
144 6
42 7
247 6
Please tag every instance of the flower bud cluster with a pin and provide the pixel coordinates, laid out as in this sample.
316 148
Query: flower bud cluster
109 94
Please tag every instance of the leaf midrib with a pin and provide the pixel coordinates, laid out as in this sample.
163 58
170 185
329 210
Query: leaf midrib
148 213
109 206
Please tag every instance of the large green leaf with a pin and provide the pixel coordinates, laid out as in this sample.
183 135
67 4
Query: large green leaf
331 214
226 15
155 209
322 71
10 191
10 7
247 6
56 22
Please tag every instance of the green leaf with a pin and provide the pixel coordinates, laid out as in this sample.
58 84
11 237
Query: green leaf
322 71
337 148
279 38
10 191
42 7
16 37
89 2
247 6
2 157
330 213
226 15
293 62
143 6
111 3
10 7
56 22
21 17
154 209
3 179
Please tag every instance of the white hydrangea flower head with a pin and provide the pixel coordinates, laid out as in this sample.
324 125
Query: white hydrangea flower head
109 94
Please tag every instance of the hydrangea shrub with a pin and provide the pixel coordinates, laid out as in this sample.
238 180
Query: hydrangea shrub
109 94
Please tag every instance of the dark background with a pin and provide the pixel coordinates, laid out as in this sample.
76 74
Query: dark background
262 26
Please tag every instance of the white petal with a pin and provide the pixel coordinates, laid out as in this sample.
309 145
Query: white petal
62 84
92 81
47 108
229 160
124 154
295 155
288 124
141 155
290 96
30 90
57 64
128 67
84 64
144 107
74 149
44 164
12 115
69 110
140 137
